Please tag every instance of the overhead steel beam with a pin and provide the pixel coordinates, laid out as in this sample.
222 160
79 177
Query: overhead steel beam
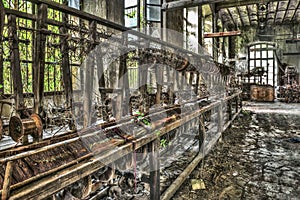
175 5
228 4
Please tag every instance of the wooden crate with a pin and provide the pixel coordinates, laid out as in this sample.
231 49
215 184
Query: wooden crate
263 93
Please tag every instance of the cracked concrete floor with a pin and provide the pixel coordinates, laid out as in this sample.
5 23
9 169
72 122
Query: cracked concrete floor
258 157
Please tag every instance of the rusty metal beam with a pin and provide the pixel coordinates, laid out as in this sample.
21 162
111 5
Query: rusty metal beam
222 34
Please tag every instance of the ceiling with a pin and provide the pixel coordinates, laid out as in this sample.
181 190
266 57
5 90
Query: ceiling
238 14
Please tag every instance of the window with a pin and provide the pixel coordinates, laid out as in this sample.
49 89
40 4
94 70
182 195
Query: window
132 13
74 4
153 10
261 57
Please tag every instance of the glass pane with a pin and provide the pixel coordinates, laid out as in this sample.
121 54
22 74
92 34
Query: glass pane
153 13
264 64
74 4
251 63
270 54
131 17
257 54
156 2
264 54
129 3
257 63
251 54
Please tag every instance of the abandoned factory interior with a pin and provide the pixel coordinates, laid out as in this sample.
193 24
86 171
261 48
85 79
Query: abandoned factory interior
149 99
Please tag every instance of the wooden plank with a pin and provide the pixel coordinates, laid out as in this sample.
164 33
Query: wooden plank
51 171
15 62
39 58
7 180
222 34
169 193
49 185
22 171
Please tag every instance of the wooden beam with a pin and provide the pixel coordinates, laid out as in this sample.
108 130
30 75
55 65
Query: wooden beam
126 89
292 53
7 180
215 29
66 68
89 77
200 27
222 34
15 62
2 17
154 170
120 81
39 58
169 193
159 83
175 5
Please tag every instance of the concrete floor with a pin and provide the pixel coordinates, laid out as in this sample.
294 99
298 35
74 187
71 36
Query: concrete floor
259 157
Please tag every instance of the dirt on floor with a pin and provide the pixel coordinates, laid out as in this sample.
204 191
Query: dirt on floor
258 157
